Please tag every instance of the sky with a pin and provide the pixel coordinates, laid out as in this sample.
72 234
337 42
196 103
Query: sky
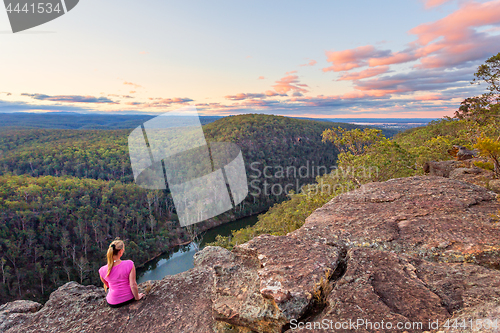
319 59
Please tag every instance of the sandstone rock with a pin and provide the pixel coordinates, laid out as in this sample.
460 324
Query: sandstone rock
179 303
460 170
484 318
383 286
237 300
409 249
428 217
271 281
291 268
14 313
494 185
442 168
474 175
213 255
20 307
466 154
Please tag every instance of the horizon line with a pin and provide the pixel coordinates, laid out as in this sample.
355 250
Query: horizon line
215 115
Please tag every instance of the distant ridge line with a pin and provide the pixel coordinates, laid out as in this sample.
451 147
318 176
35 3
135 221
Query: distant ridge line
373 120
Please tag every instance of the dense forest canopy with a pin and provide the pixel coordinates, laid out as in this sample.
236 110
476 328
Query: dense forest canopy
66 193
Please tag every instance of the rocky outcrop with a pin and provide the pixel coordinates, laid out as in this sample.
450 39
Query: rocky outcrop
180 303
433 218
13 313
494 185
271 281
415 251
464 170
384 286
484 318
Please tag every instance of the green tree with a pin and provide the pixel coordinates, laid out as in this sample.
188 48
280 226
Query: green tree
480 108
352 141
490 149
489 72
353 146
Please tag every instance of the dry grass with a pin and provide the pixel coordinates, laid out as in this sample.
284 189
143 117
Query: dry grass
323 288
148 287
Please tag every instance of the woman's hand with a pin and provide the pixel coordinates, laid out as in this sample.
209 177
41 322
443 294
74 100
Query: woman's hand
133 285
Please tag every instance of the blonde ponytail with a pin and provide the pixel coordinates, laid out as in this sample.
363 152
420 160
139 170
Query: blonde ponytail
113 250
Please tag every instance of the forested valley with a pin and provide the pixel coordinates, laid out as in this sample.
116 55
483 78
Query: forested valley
66 193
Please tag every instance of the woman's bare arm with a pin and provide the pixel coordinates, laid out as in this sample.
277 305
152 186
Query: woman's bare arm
105 282
133 285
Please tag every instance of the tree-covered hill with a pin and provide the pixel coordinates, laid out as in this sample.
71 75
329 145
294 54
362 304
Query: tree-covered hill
80 153
103 155
73 120
64 194
266 141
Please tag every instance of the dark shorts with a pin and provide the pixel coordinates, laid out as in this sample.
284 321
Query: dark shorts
122 304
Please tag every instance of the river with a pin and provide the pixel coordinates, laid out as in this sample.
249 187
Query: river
180 258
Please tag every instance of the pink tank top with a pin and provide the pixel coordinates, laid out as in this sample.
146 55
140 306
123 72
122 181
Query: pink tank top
118 281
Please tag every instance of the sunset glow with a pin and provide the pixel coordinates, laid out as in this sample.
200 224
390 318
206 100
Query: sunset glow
316 59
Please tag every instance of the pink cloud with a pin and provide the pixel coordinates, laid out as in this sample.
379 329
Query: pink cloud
395 58
446 43
253 96
374 102
175 100
429 97
368 93
416 81
355 94
457 25
289 83
242 96
365 56
260 78
270 93
161 102
364 74
255 102
353 58
132 84
310 63
434 3
454 40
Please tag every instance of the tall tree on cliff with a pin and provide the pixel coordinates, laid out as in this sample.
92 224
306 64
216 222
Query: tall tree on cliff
484 111
489 72
481 108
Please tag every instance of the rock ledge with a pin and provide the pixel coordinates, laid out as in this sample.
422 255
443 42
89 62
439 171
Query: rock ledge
416 249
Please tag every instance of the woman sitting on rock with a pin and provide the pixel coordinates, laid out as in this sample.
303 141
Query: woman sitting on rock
119 276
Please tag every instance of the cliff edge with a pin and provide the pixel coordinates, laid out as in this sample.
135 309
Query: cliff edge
409 250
